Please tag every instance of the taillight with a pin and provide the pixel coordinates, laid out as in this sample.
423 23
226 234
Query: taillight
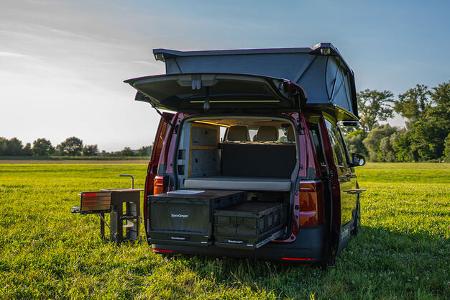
297 258
311 207
158 185
162 251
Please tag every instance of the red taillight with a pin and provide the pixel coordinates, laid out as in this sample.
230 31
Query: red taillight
311 203
162 251
297 258
158 185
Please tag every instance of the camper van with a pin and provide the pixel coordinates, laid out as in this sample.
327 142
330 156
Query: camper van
249 158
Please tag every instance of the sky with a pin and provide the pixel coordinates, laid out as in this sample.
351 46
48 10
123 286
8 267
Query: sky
62 63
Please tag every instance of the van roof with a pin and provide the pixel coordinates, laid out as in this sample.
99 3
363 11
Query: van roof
320 70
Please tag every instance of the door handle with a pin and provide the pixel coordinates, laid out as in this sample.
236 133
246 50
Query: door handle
355 191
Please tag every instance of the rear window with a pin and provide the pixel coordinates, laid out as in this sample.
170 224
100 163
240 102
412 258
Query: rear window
282 135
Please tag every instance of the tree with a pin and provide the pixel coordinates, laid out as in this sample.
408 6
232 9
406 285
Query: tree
354 141
127 152
144 151
14 147
401 143
42 147
3 145
27 151
446 156
413 103
90 150
374 106
426 140
441 96
72 146
378 143
386 150
427 135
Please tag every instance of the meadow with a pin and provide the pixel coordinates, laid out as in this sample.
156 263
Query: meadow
402 251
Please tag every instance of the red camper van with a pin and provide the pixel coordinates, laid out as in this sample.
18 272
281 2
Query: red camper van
249 159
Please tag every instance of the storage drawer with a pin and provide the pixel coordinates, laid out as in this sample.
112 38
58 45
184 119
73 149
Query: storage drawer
248 225
178 218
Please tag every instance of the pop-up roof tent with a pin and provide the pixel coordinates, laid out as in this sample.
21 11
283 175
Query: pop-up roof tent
326 79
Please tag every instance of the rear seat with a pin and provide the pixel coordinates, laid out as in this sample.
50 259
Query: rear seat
266 134
239 183
238 134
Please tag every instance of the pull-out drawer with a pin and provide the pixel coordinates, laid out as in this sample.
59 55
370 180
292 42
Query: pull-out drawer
248 225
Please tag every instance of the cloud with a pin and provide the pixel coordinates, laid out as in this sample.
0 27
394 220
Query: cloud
13 54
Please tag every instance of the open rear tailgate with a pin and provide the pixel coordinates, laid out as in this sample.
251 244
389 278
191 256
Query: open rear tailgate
198 92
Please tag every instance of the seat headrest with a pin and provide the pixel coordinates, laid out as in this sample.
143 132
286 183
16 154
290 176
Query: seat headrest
290 134
266 134
238 134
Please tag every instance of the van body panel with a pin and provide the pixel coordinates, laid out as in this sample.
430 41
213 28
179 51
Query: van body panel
155 160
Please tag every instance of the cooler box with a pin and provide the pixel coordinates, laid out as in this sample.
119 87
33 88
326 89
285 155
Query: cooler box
185 217
248 225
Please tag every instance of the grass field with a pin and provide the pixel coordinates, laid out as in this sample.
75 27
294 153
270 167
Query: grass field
403 250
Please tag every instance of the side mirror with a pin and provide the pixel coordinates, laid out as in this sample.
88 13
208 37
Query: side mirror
358 160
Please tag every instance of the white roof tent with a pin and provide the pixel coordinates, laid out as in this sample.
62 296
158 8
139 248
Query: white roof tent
320 71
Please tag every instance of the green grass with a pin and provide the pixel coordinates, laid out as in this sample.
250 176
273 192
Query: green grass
403 250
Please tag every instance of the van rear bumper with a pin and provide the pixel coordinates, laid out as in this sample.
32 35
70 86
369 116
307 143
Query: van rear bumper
307 247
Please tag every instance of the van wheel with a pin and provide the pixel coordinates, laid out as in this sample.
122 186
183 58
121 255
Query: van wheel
356 219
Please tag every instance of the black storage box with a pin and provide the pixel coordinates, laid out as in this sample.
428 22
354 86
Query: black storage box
248 225
186 216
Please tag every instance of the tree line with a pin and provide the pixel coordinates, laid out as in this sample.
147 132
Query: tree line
71 146
426 136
